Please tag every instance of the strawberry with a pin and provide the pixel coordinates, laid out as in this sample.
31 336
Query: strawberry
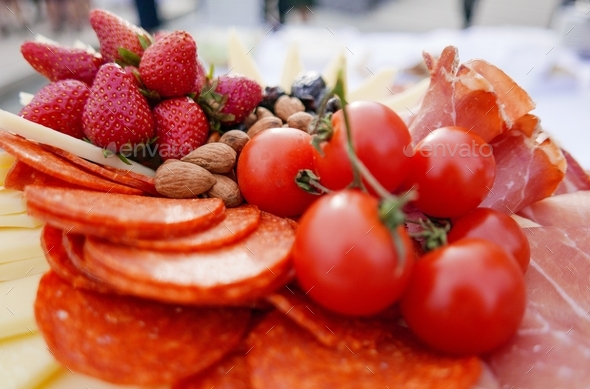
60 63
116 113
181 127
200 80
59 106
229 100
169 66
115 33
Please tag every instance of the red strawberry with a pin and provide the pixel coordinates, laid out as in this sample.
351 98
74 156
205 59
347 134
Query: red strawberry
181 127
116 113
169 66
200 80
59 106
243 95
60 62
114 32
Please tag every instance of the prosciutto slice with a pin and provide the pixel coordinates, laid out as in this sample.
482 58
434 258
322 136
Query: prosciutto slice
575 178
566 210
552 347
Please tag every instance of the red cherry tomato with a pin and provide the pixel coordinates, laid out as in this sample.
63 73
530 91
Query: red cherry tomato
345 257
452 170
267 168
379 138
465 298
497 227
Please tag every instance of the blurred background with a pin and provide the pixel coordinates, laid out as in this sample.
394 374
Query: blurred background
543 44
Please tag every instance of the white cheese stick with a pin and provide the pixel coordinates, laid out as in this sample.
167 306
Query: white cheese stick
21 220
16 302
22 268
20 243
11 202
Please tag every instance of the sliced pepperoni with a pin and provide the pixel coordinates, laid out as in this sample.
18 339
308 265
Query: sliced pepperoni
283 355
60 261
46 162
119 216
230 373
249 269
237 224
116 175
125 340
21 175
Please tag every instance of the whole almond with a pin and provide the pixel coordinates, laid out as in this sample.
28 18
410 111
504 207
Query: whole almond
300 120
181 180
264 124
227 190
236 139
250 120
262 112
287 106
214 137
216 157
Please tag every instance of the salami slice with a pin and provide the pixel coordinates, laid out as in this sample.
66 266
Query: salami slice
60 262
21 175
119 216
249 269
230 373
119 176
46 162
125 340
238 223
283 355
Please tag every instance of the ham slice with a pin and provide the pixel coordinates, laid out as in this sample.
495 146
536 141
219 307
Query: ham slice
575 178
552 346
566 210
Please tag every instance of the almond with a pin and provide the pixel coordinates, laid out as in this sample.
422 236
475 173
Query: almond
264 124
287 106
227 190
300 121
250 120
216 157
236 139
181 180
262 112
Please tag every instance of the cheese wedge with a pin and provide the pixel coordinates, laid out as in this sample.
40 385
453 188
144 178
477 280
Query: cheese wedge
18 125
21 220
25 98
292 68
20 243
16 306
374 87
241 60
25 362
11 202
22 268
407 99
68 380
330 73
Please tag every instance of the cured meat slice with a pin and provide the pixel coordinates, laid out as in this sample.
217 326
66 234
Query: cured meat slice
46 162
283 355
552 346
118 216
21 175
126 340
238 223
60 262
575 178
119 176
476 95
251 268
565 210
529 167
231 373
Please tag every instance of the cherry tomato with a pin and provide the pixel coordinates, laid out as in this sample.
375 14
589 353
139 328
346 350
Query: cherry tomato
497 227
452 170
379 138
267 168
465 298
345 257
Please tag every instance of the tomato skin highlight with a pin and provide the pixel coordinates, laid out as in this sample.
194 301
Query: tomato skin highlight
345 257
453 171
466 298
497 227
379 137
267 168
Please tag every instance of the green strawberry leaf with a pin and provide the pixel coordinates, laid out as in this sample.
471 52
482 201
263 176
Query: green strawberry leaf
145 40
129 57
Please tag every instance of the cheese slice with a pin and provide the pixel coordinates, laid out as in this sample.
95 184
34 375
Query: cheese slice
20 243
11 202
374 87
16 306
408 99
25 362
241 60
19 220
25 98
18 125
3 174
66 379
22 268
292 68
6 160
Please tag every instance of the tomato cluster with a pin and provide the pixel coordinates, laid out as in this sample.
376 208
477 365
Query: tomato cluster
353 253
